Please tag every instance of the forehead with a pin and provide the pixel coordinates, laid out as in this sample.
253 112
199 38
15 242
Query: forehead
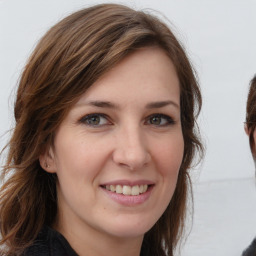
143 75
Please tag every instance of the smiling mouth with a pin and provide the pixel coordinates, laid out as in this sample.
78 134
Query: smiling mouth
127 190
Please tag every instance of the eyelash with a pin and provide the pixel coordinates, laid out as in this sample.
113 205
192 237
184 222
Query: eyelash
169 120
86 119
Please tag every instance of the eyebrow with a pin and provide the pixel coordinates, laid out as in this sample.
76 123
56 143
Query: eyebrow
152 105
102 104
161 104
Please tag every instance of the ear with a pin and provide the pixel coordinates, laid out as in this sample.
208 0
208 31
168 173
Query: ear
246 129
47 161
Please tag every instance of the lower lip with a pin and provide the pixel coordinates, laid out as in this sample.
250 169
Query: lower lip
129 200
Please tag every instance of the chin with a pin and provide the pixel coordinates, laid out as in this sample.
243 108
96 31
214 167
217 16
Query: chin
131 228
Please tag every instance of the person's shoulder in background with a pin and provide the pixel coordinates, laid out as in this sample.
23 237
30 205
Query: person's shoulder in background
251 250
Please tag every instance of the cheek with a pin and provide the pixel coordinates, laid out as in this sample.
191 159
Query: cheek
78 160
254 140
170 155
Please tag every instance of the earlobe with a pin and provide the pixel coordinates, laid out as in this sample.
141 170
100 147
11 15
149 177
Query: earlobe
47 161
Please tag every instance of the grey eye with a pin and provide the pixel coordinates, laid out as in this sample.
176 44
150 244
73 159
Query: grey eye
94 120
155 120
160 120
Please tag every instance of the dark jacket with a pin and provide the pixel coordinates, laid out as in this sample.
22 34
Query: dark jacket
50 243
251 250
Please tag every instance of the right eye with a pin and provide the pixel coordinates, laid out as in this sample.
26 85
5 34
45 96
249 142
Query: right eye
95 120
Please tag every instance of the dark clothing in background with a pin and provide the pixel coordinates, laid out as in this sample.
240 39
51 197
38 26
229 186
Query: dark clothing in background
251 250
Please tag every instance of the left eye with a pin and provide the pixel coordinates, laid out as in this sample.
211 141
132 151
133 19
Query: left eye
95 120
160 120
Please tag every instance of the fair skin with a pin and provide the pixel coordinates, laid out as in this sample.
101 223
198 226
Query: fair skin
254 139
117 155
248 132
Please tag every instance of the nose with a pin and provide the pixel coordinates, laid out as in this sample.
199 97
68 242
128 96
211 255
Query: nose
131 149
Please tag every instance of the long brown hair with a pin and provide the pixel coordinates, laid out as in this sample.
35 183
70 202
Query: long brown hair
71 56
251 114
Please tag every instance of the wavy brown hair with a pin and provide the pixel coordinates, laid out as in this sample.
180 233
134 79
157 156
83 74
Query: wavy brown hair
70 57
251 114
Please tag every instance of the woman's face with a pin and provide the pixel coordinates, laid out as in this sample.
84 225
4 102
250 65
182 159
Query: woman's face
118 152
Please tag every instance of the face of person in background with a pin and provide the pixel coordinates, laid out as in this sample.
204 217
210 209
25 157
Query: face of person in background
118 152
249 126
248 132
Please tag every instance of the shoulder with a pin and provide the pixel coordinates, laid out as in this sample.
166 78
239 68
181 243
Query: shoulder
251 250
49 242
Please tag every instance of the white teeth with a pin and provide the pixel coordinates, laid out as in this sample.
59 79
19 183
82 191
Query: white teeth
127 190
119 189
135 190
112 188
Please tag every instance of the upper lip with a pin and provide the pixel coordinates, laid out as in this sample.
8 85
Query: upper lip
128 182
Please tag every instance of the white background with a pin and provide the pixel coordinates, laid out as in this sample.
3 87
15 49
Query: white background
220 38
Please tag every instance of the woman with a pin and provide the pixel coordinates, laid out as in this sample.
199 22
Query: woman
105 134
250 130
